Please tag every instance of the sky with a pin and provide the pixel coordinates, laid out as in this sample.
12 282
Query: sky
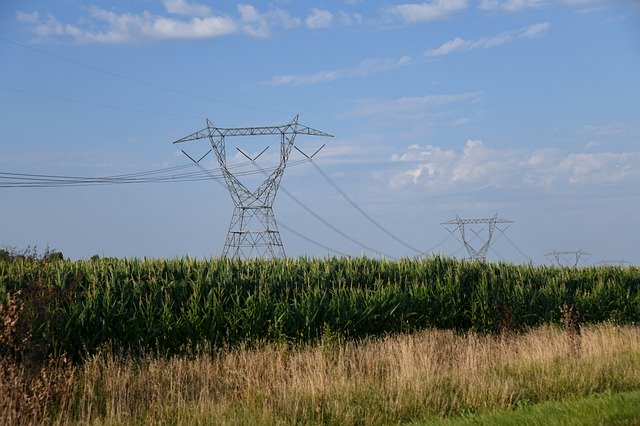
524 109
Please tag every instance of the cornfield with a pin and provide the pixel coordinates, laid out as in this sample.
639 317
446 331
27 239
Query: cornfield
180 305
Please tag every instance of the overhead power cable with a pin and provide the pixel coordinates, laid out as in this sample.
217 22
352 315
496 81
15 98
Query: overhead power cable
431 250
514 246
321 219
133 79
155 171
93 104
299 235
365 214
25 180
334 228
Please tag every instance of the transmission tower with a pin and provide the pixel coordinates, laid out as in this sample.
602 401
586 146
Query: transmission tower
475 228
253 231
618 262
567 257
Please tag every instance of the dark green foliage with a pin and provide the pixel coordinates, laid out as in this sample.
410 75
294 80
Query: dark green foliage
170 305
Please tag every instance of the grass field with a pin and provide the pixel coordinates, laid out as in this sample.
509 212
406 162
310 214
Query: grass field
417 378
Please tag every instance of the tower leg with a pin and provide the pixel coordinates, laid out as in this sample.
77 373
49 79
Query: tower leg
253 233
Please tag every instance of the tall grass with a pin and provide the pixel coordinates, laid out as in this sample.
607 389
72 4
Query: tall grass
174 305
396 379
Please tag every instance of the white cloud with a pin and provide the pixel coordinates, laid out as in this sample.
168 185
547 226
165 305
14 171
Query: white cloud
27 17
367 67
593 144
427 11
195 21
253 22
183 19
612 129
164 28
434 166
282 18
601 167
406 105
451 46
581 3
347 19
318 18
103 26
182 7
459 44
511 5
535 30
583 6
479 166
249 13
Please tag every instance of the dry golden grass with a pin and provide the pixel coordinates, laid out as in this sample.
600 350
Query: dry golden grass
389 380
394 379
29 388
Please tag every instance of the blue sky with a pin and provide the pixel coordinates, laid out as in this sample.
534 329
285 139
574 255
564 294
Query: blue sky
528 109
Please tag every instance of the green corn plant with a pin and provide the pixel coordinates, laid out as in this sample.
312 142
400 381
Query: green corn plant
170 305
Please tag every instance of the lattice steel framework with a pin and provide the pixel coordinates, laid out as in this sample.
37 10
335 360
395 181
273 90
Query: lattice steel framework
464 226
567 257
253 231
618 262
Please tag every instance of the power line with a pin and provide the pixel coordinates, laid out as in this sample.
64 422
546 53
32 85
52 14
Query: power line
512 243
135 80
334 228
439 244
365 214
25 180
299 235
101 177
323 220
114 107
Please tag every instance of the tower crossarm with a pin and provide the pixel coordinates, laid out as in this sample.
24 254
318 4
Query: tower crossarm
567 252
287 129
490 220
221 132
200 134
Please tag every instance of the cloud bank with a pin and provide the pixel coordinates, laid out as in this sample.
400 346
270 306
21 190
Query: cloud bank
478 166
183 20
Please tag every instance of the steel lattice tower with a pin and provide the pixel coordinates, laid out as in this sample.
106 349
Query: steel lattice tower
463 225
567 257
253 231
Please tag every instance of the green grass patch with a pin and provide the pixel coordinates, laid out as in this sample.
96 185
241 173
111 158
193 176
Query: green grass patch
605 408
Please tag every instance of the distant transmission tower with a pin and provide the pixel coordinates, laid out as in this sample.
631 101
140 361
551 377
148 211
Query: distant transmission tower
618 262
253 232
475 228
567 257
